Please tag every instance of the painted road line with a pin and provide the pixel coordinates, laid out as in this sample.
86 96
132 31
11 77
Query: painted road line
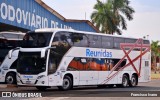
60 98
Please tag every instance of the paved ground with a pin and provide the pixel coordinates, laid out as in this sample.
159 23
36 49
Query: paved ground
152 88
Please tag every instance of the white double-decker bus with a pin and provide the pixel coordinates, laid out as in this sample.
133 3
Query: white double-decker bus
8 41
68 58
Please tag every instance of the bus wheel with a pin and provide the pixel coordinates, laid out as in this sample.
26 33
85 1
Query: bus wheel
10 78
125 81
67 84
41 88
133 81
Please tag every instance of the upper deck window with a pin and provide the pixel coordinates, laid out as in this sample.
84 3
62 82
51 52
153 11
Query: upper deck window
117 42
35 40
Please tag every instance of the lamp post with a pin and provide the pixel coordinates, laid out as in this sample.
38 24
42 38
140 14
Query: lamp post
146 37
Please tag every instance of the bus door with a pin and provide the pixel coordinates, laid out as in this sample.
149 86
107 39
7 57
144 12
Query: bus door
146 70
60 41
89 73
53 63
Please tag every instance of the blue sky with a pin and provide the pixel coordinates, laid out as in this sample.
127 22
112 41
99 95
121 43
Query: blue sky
146 19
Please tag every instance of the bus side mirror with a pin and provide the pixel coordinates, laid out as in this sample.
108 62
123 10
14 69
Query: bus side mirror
43 52
11 51
10 54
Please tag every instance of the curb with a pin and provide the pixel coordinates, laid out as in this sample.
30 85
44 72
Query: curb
8 86
155 79
3 86
11 86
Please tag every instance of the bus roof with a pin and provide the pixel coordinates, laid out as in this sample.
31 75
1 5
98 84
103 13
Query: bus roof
11 35
72 30
12 32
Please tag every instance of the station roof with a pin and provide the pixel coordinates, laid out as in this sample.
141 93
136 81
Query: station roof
63 18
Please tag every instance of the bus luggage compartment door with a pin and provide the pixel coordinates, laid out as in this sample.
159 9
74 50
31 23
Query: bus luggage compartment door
88 77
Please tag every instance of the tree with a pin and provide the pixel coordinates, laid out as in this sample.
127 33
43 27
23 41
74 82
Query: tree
154 52
121 9
102 17
109 16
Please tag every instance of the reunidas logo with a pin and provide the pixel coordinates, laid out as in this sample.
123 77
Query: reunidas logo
98 53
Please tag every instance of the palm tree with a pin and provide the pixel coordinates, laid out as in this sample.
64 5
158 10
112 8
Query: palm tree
102 17
121 9
155 52
109 16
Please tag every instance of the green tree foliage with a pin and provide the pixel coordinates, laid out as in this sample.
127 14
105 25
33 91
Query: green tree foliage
110 16
154 51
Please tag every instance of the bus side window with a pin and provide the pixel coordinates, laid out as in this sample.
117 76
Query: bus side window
146 42
85 41
79 39
14 65
107 42
62 39
117 42
95 41
78 63
55 40
127 40
66 39
110 64
122 64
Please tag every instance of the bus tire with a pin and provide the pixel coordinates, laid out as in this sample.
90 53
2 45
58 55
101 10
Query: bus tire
10 78
125 81
133 81
41 88
67 84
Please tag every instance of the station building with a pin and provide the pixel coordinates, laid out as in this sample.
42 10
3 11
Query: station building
25 15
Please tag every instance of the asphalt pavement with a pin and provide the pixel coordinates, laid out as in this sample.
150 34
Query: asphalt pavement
143 90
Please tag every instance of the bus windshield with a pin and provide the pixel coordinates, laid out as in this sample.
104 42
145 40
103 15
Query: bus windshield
35 40
8 41
31 63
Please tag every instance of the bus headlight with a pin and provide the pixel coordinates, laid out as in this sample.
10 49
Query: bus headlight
40 76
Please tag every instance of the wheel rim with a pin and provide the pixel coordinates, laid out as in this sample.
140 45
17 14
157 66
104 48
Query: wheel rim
125 82
9 79
133 80
66 83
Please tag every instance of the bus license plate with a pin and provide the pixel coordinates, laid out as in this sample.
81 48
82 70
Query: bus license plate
28 82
